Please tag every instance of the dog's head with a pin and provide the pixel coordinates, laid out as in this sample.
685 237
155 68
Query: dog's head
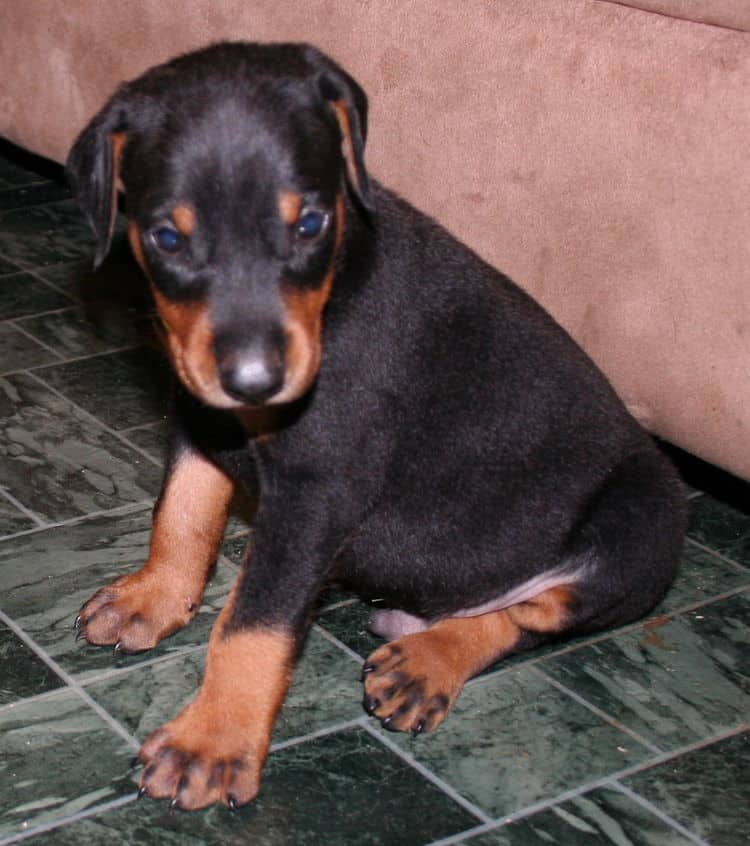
235 162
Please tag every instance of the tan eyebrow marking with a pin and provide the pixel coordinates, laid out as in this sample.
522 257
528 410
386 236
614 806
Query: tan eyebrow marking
184 220
290 205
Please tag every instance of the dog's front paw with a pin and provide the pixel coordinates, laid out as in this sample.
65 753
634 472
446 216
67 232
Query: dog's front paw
199 759
409 685
134 613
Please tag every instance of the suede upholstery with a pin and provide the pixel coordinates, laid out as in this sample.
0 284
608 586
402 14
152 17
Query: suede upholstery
594 151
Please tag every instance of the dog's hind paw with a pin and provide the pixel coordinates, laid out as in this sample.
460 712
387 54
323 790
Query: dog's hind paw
408 685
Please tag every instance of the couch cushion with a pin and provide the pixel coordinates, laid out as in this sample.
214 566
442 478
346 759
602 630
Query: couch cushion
733 14
594 152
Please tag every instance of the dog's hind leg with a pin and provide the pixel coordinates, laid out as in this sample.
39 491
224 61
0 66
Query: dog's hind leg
412 683
622 556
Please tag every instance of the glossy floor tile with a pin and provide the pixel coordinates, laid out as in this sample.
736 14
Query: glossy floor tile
672 680
19 351
123 389
58 462
23 294
634 737
513 740
339 790
47 576
706 790
604 817
57 757
325 692
24 674
35 236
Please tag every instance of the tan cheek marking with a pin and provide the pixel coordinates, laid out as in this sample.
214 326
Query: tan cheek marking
304 310
190 340
290 205
184 220
189 334
304 315
134 237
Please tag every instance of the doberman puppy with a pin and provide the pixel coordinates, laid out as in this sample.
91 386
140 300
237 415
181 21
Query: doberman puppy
415 426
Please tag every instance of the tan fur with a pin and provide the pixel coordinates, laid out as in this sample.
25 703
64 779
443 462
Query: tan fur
347 144
439 660
184 219
304 319
214 750
290 205
189 334
139 610
547 612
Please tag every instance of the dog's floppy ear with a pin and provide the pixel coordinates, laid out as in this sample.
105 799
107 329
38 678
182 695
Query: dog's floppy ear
349 104
93 170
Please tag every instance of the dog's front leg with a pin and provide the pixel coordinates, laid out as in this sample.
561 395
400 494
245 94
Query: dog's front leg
215 749
138 610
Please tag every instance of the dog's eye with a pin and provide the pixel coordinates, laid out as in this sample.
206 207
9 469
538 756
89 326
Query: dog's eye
311 223
167 239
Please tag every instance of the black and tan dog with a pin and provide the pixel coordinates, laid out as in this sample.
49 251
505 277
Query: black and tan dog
415 425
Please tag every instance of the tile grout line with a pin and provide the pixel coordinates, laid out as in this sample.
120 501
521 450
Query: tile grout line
130 507
570 795
615 777
338 643
140 426
636 769
73 818
463 836
32 700
41 524
425 772
100 423
655 811
297 740
118 672
44 313
76 358
36 273
725 558
608 718
72 684
43 180
33 270
37 341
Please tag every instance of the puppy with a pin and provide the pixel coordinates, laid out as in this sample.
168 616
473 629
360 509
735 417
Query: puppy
414 425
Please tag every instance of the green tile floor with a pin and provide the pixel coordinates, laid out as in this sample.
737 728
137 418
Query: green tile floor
636 736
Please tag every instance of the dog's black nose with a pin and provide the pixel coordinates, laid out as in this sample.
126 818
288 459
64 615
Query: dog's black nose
252 378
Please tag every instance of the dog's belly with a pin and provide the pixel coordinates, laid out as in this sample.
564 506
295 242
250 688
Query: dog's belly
393 623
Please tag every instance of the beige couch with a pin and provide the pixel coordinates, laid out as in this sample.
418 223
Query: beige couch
595 151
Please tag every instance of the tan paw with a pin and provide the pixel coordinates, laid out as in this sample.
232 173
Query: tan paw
409 686
200 759
135 612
